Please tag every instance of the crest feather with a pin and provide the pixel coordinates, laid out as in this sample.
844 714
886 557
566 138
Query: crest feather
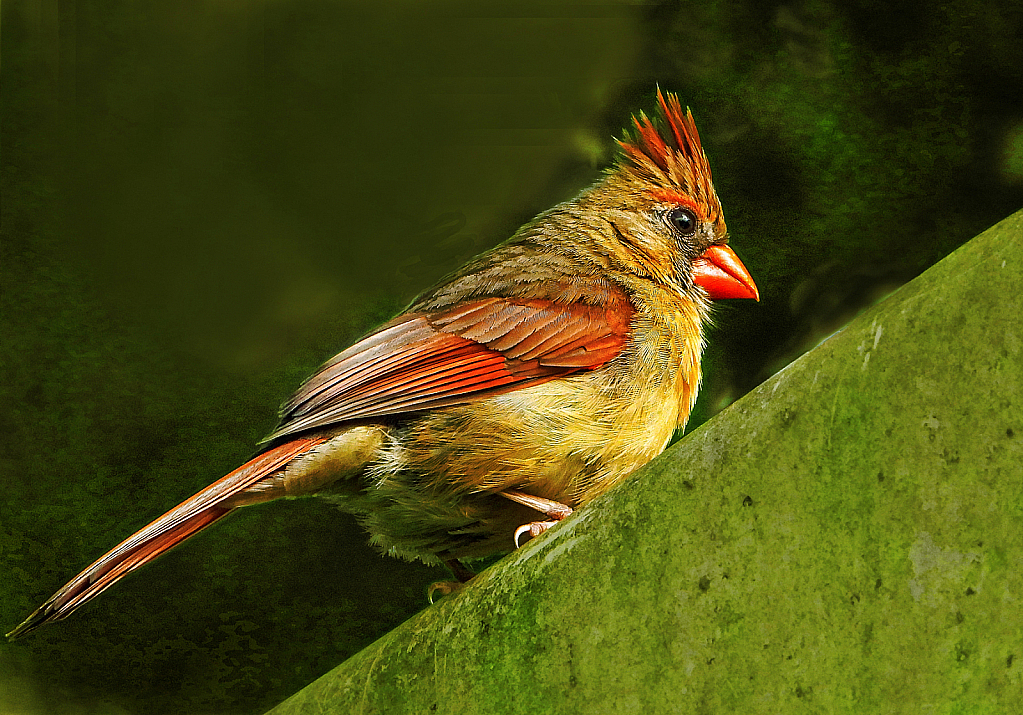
666 153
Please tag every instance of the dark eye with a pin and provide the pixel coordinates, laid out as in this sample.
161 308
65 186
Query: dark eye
683 221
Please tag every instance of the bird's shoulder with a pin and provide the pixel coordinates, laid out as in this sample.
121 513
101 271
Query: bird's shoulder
517 271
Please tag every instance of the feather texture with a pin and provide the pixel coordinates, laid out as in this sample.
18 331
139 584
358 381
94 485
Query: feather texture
462 354
671 160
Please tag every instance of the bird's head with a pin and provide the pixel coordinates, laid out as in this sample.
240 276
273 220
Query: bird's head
662 208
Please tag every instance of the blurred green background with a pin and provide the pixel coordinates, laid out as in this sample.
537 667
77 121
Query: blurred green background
202 201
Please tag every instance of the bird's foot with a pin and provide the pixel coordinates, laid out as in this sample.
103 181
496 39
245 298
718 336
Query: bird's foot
533 528
556 511
445 588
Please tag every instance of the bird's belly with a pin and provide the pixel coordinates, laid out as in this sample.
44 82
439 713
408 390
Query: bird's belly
566 440
435 485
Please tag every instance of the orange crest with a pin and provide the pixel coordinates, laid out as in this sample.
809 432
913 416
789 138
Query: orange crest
666 154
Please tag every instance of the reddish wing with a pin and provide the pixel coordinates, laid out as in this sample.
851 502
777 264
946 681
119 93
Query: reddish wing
458 355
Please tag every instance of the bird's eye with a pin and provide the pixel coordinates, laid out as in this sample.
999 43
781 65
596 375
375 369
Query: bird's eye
683 220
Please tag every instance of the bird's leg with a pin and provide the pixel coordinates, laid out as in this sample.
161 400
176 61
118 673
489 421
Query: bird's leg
459 570
445 588
556 511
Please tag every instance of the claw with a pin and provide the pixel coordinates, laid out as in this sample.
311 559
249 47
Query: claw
535 528
446 588
553 509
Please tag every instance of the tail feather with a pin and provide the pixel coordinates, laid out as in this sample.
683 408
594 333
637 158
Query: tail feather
188 518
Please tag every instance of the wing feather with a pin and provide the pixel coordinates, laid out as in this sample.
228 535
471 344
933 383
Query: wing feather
460 354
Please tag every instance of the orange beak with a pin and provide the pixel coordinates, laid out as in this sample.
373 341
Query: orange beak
720 272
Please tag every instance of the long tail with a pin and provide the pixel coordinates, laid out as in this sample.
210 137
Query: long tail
187 518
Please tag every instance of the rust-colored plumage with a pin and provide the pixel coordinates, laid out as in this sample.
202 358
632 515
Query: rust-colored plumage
676 164
533 379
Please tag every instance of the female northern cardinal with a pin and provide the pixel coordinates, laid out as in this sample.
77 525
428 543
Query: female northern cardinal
535 378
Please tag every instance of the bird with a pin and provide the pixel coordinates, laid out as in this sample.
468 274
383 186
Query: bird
517 389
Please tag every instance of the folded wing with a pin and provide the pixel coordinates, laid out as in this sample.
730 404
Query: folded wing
462 354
